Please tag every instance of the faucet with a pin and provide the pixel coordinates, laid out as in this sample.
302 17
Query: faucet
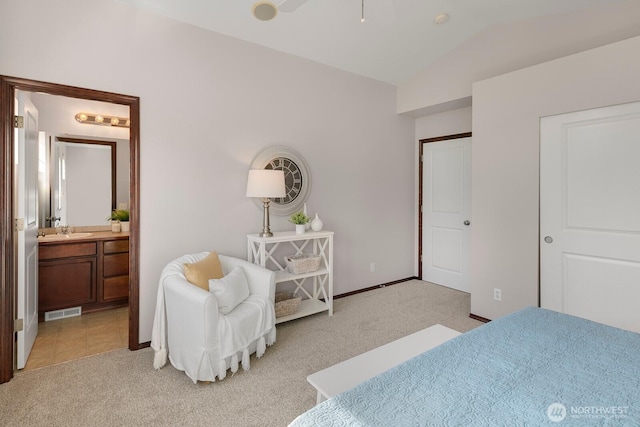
54 220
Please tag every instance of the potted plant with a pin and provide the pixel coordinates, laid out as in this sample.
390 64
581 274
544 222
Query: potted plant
120 217
299 219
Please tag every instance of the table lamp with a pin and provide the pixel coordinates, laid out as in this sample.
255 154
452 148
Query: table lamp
265 183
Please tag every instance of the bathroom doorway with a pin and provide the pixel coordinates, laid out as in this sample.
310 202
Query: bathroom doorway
8 281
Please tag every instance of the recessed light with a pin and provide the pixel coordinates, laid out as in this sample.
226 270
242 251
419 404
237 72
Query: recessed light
441 19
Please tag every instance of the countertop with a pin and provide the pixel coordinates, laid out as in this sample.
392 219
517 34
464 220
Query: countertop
97 235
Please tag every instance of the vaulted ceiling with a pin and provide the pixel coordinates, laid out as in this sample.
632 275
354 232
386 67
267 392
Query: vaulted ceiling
397 39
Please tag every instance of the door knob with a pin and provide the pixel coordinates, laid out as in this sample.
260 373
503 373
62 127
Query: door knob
548 239
466 222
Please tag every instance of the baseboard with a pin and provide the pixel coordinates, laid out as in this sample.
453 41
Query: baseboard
480 318
371 288
359 291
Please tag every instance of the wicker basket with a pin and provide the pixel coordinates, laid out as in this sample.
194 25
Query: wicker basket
302 263
287 304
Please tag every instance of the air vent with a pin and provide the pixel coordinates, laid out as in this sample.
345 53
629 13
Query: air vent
61 314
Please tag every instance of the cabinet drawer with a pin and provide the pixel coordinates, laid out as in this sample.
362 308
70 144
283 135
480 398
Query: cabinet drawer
116 287
116 265
66 250
116 246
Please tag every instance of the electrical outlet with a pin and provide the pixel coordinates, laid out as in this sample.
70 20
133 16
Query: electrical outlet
497 294
372 267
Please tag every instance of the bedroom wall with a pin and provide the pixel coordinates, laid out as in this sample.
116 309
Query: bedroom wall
500 49
209 104
505 164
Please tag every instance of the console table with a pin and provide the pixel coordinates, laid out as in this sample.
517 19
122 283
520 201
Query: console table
319 298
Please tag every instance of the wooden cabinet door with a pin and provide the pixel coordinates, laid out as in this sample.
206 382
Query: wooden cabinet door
66 283
116 287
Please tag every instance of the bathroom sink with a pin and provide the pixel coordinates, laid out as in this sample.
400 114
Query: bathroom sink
54 237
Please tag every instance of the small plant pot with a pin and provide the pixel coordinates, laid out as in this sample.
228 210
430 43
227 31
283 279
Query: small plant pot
124 226
115 226
299 228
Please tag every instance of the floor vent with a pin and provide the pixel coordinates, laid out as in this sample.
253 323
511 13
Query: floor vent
61 314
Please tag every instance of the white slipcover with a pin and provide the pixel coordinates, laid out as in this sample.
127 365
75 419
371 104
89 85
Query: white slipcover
200 340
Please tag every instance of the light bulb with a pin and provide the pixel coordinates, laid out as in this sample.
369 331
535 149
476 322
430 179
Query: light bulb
99 119
115 121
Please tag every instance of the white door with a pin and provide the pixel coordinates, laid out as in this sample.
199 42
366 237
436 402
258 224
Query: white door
590 214
446 213
26 214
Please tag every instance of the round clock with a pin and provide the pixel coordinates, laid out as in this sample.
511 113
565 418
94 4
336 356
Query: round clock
297 178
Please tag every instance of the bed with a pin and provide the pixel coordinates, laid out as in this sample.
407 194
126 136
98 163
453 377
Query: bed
534 367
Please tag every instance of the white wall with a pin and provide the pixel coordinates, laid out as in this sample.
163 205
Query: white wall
445 123
505 164
209 104
504 48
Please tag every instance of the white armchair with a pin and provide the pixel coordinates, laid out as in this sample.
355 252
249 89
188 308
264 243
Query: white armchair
200 340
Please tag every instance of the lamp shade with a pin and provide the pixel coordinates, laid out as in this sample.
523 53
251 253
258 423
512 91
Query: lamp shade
265 183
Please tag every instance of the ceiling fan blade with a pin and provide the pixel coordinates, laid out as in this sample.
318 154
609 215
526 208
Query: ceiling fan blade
290 5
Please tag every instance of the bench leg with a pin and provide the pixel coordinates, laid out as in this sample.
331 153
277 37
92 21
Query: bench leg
320 397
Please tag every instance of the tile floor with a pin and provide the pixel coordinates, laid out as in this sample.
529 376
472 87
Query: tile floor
76 337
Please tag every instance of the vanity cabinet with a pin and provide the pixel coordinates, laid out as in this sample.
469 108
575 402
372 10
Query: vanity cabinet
67 275
91 273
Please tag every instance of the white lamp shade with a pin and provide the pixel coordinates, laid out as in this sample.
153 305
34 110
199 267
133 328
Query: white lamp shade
265 183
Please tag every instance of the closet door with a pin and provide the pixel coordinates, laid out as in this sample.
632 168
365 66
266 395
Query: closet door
590 214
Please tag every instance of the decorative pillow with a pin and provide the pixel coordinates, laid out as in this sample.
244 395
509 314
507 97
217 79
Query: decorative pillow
200 272
231 290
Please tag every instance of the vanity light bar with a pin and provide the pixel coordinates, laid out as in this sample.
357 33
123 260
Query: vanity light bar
99 119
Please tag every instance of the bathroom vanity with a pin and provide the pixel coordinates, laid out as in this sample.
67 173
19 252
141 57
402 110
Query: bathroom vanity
89 270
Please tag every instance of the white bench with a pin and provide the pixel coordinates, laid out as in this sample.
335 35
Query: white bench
346 375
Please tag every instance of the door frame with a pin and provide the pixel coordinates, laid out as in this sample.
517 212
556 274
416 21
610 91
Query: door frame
421 143
8 86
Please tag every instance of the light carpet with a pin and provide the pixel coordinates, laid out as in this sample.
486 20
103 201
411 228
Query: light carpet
121 388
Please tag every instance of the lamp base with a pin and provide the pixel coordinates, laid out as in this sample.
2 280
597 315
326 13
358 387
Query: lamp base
266 231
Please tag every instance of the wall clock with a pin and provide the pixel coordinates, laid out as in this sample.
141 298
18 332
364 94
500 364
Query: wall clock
297 178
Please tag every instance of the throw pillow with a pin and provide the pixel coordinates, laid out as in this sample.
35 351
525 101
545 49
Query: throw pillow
231 290
200 272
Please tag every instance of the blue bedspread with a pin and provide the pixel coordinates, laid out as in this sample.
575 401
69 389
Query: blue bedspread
532 368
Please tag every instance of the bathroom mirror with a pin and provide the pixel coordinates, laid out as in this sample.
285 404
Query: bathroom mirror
82 181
